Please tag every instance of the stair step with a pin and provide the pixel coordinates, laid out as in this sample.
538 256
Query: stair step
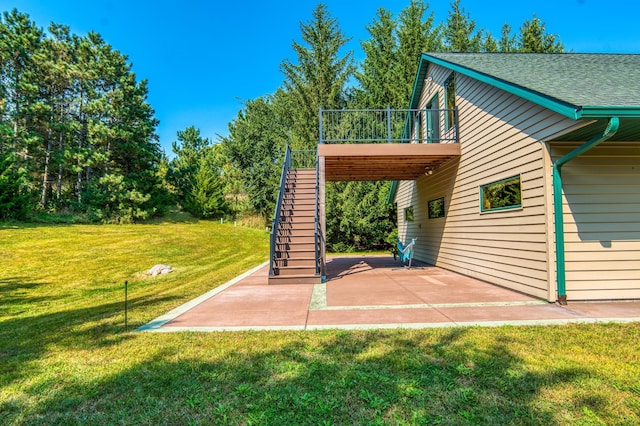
295 270
292 240
297 232
292 188
304 169
295 254
295 246
299 189
309 198
306 262
297 226
298 211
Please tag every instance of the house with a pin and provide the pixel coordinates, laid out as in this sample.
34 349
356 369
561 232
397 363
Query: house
522 170
544 195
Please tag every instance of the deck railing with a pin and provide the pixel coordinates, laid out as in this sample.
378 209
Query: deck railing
388 125
286 164
317 235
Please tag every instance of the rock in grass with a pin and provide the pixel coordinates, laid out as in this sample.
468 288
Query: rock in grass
159 270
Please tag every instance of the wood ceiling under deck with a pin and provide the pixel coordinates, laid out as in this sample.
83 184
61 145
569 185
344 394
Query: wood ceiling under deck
359 162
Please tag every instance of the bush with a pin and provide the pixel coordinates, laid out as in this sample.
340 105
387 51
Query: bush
15 197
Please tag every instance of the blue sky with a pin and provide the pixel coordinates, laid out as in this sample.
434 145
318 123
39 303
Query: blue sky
203 58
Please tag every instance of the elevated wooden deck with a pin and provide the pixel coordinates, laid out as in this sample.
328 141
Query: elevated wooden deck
357 162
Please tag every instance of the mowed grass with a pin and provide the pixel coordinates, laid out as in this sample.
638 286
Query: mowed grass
65 358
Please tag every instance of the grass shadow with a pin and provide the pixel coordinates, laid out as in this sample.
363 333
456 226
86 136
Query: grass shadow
372 377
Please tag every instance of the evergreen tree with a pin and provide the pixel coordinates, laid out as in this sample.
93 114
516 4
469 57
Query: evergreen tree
416 34
534 39
188 150
76 120
206 198
460 31
380 76
319 78
507 40
14 198
489 44
254 150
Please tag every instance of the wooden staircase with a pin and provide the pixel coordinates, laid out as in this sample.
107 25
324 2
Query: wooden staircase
295 248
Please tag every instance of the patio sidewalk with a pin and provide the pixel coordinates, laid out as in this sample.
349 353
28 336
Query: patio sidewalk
364 292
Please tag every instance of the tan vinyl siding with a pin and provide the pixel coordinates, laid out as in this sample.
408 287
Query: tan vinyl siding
601 209
499 137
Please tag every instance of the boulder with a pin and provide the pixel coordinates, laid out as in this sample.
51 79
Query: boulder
159 270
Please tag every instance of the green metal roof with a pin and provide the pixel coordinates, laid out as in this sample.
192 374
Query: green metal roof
577 85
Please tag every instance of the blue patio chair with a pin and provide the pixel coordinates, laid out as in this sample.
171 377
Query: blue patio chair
406 252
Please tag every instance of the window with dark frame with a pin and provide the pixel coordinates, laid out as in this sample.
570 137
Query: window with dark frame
408 213
501 195
436 208
450 99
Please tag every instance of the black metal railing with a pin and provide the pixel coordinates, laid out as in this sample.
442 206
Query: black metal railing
286 164
303 158
388 126
317 235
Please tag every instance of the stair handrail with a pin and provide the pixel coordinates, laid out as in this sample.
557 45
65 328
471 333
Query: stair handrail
317 235
275 224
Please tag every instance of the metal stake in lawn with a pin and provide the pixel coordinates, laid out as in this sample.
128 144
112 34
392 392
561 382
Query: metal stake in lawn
126 306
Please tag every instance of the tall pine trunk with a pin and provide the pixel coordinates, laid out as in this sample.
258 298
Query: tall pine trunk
59 178
45 174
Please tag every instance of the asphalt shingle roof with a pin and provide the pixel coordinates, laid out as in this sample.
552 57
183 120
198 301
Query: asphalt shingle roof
579 79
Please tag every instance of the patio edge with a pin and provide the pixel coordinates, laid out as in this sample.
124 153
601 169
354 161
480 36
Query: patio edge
154 325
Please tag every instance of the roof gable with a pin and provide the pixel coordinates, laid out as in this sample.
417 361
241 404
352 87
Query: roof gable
577 85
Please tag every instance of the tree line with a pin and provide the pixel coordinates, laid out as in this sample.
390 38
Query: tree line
358 215
78 135
76 130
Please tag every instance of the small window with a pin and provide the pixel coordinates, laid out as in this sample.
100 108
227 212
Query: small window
501 195
450 99
408 213
436 208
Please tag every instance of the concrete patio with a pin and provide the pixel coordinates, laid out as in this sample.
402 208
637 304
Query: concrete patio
364 292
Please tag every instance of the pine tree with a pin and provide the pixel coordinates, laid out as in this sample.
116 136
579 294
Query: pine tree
416 34
319 78
507 40
206 198
460 31
380 76
534 39
254 150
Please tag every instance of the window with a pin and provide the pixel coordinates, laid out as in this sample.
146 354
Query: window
501 195
418 132
408 213
436 208
450 99
433 120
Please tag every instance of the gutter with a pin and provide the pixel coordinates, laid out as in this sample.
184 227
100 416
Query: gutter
611 129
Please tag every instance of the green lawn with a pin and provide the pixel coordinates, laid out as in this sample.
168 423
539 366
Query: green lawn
65 358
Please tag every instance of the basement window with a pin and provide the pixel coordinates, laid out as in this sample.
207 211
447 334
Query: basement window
501 195
408 214
436 208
